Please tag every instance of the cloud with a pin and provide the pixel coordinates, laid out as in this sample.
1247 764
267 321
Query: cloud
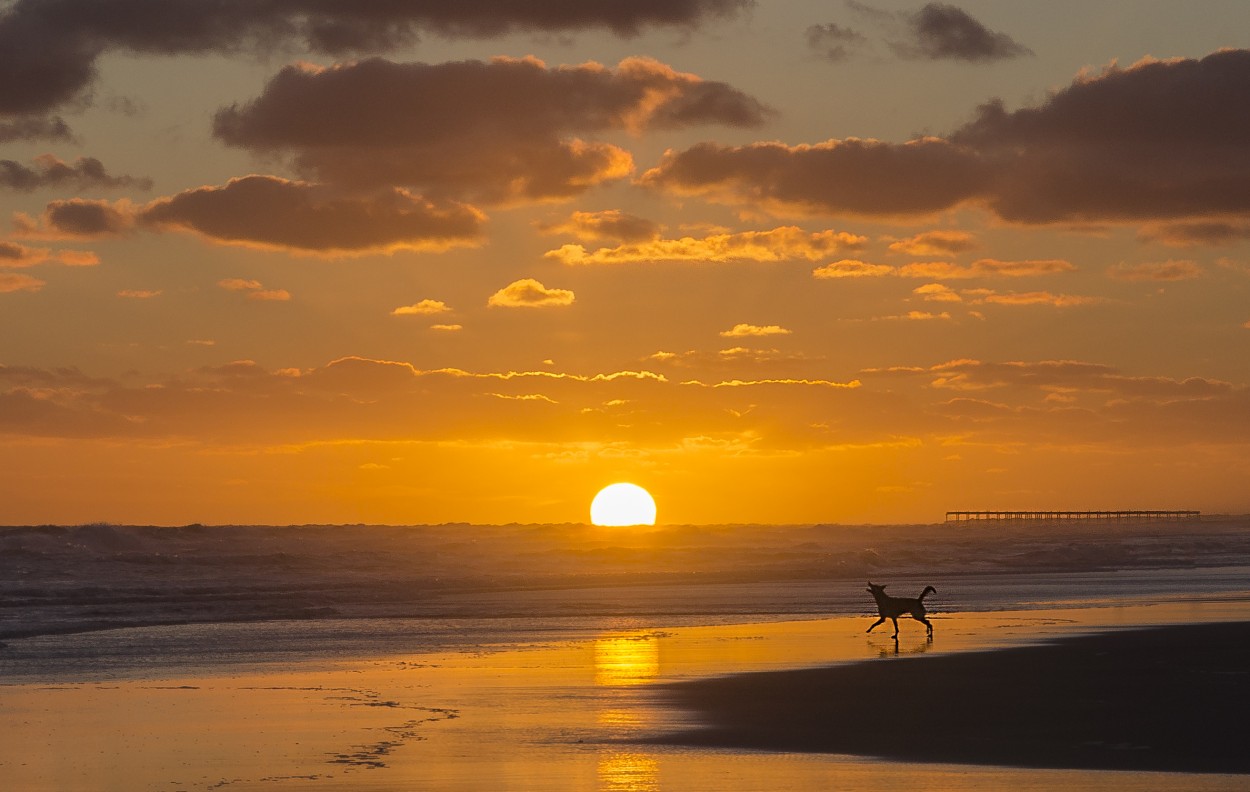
936 243
13 282
529 293
852 268
48 51
852 176
78 218
914 316
980 296
737 383
77 258
446 328
785 243
986 268
15 255
84 173
254 290
33 128
937 292
944 270
1067 376
944 32
272 213
140 294
611 224
834 42
506 131
423 308
1171 270
239 284
1157 141
1193 234
749 330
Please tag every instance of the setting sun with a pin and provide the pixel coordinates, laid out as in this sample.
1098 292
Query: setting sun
623 504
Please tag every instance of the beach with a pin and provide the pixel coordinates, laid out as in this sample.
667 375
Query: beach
1036 676
1165 698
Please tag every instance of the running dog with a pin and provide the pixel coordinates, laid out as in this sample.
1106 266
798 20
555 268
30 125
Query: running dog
892 607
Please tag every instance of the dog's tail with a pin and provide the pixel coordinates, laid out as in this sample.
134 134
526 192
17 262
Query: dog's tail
926 591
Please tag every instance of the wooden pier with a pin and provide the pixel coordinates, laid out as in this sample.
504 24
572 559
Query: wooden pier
1075 516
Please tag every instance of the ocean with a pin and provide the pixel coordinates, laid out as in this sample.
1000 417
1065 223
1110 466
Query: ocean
463 657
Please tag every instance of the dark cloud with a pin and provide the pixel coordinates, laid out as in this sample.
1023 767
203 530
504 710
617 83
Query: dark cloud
34 128
272 213
859 177
49 48
1160 139
501 131
944 32
1157 141
1212 232
834 42
78 218
48 171
265 211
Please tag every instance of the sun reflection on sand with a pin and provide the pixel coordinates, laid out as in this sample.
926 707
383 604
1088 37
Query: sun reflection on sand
627 659
628 772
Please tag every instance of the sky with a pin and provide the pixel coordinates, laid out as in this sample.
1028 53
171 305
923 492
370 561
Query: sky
775 261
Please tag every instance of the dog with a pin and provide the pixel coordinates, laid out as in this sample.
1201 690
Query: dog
892 607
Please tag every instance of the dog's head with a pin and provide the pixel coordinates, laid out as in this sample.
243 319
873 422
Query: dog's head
874 589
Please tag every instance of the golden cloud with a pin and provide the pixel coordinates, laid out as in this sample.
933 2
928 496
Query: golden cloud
852 268
985 268
254 289
1033 298
423 308
936 243
785 243
529 293
937 292
749 330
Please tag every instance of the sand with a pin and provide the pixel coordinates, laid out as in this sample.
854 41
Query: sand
1170 698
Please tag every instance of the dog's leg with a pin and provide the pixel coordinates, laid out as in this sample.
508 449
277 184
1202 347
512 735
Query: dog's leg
877 622
895 620
928 625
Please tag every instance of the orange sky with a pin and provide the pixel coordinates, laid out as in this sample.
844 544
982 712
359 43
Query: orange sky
775 261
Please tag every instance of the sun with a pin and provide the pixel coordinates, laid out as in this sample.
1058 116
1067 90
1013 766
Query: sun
623 504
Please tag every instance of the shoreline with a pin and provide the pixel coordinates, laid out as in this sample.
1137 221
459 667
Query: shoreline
1168 698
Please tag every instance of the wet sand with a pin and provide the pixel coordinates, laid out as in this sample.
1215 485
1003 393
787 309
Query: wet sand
1169 698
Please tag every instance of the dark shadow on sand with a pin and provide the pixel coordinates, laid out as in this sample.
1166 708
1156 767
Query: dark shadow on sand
1168 699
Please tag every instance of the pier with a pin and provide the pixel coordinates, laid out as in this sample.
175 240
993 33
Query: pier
1075 516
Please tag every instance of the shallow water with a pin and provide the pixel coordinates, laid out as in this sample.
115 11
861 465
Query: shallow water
491 704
